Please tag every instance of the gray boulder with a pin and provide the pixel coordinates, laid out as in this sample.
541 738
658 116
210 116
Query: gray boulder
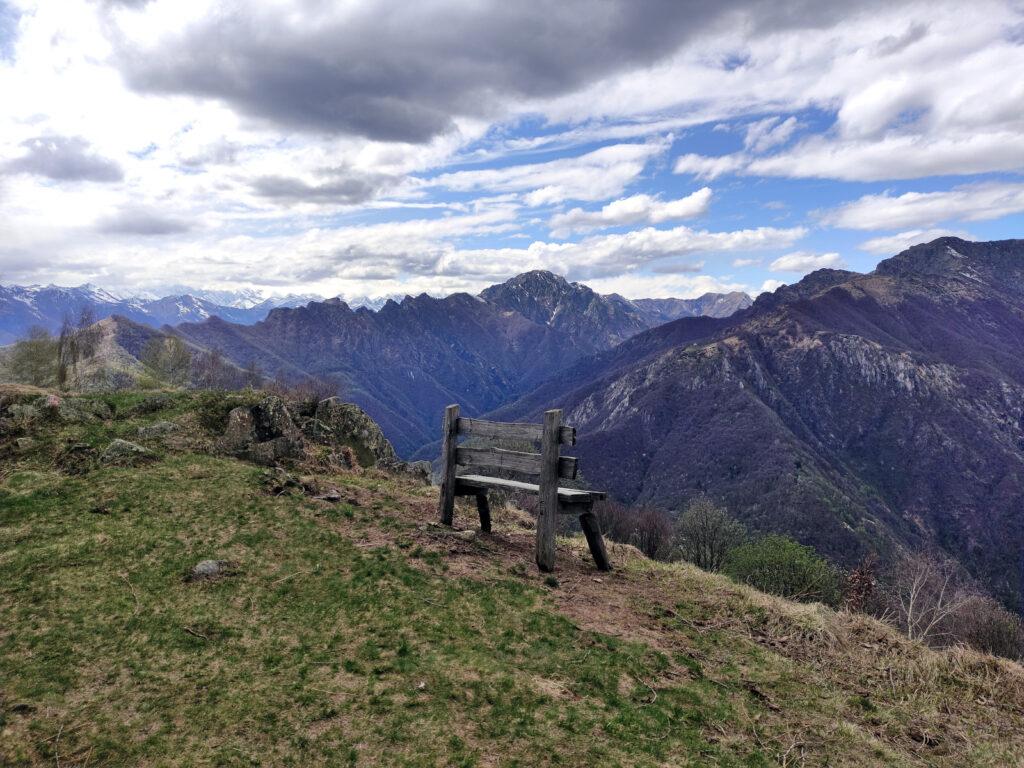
264 433
124 453
157 429
206 570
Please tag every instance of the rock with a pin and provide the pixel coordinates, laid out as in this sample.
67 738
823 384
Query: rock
74 409
24 443
158 429
124 453
333 496
263 433
337 423
206 570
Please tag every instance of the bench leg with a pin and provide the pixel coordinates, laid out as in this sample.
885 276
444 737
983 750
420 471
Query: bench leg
484 508
592 530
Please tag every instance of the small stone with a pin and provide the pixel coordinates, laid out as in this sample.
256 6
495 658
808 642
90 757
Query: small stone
124 453
211 569
24 443
157 429
333 496
467 535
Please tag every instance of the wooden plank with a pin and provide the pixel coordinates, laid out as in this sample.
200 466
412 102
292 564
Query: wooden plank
592 530
467 485
484 509
449 446
513 461
548 517
500 430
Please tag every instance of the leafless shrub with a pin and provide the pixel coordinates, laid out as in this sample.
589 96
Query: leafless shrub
306 391
926 592
646 528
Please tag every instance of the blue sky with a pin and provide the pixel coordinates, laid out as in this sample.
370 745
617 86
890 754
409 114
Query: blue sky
649 148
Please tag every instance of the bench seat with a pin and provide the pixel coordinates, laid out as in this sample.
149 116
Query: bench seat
565 495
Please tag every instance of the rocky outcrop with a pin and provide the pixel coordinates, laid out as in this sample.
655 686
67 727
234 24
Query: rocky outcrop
264 433
337 423
123 453
272 431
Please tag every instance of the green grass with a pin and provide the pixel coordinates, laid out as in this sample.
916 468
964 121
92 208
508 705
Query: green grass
318 651
355 634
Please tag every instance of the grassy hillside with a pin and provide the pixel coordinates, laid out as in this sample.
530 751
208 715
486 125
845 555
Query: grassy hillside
358 633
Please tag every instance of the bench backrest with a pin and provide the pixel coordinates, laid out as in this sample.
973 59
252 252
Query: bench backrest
515 462
487 458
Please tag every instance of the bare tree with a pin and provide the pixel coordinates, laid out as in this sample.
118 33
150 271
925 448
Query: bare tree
926 595
169 358
34 359
705 533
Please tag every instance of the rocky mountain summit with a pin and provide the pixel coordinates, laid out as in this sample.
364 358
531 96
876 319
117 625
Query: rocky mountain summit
856 412
406 361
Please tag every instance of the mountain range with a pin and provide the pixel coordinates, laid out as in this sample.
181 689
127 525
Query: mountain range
406 361
858 412
24 307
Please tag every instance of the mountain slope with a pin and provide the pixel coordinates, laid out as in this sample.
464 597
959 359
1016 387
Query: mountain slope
354 632
857 412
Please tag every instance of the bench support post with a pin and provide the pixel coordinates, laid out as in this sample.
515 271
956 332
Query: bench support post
484 508
548 507
592 530
450 441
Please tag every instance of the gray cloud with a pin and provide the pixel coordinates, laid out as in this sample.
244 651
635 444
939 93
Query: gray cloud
393 71
143 221
64 159
342 188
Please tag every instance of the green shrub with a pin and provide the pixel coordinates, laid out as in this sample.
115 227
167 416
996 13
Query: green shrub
214 405
781 566
705 534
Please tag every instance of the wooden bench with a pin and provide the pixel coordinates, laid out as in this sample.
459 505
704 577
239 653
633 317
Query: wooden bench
548 465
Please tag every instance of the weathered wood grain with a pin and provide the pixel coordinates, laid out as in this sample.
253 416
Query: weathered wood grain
592 530
497 430
513 461
449 446
548 517
467 485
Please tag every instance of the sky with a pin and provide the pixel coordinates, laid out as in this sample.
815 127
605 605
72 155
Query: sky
646 147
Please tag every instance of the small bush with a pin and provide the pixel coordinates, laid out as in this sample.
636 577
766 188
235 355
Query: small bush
705 534
781 566
214 405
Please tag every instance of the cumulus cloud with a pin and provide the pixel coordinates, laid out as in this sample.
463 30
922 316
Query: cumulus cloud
971 202
889 245
631 210
802 261
63 158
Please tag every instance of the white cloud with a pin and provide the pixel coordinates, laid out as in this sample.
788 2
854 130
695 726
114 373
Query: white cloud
770 132
745 262
802 261
597 175
704 167
768 286
634 286
889 245
972 202
632 210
